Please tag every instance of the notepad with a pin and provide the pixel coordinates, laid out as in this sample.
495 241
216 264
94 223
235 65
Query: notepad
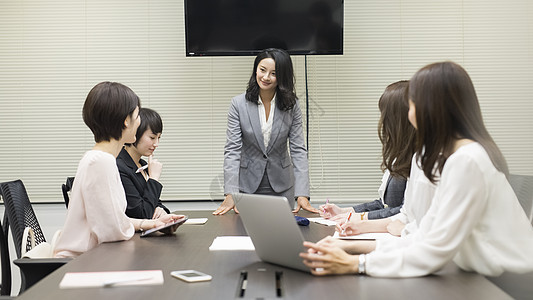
322 221
195 221
111 279
232 243
367 236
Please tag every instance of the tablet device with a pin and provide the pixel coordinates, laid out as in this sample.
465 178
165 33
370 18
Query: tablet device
166 225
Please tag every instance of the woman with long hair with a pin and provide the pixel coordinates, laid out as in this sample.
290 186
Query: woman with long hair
474 220
397 138
405 193
261 122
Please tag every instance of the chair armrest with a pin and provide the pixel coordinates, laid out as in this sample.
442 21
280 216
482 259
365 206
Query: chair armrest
34 269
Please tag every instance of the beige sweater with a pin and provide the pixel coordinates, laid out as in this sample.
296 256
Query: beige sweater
96 212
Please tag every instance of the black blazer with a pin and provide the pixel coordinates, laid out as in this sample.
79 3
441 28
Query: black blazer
142 196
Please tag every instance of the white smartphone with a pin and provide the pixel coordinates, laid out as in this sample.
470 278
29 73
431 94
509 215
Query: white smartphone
191 275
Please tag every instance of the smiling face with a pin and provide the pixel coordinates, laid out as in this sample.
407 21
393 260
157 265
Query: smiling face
148 142
266 75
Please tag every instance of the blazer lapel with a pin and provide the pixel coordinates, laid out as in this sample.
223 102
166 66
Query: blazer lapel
253 115
279 121
127 159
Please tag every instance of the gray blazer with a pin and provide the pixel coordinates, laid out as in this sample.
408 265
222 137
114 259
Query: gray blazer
245 156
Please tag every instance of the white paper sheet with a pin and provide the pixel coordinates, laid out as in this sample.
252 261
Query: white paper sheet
232 243
195 221
320 220
111 279
367 236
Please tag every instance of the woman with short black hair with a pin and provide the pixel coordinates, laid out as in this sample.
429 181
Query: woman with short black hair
97 203
140 178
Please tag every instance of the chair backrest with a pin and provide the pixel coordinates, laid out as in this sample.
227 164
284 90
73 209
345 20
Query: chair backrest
523 188
5 287
65 188
20 214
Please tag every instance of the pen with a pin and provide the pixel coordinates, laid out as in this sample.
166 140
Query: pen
346 222
141 168
324 209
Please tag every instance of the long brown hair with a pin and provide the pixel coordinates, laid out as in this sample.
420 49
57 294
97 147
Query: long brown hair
447 109
395 132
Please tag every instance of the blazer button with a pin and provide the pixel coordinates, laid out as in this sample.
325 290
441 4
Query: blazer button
264 156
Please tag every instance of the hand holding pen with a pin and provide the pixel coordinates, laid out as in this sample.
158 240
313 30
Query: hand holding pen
330 210
324 207
343 232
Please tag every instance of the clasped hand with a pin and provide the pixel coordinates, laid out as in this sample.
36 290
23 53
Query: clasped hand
327 257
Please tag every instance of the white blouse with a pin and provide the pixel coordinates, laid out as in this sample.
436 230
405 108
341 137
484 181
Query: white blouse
266 125
474 219
96 212
383 187
417 198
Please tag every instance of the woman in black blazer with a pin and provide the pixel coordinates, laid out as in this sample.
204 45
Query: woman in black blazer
140 178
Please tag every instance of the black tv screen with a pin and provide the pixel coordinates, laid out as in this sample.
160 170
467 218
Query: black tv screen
245 27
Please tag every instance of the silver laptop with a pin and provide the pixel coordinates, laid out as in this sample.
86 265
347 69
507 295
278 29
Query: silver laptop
272 229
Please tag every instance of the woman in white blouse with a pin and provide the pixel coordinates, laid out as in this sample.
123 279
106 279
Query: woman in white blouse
96 212
397 136
474 219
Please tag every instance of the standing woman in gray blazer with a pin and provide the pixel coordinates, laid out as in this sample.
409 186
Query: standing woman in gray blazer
260 122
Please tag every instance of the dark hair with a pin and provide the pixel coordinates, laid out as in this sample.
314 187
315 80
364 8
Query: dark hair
285 94
447 109
150 119
396 133
107 105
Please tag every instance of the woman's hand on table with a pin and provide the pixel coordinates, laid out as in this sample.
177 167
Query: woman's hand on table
303 203
226 206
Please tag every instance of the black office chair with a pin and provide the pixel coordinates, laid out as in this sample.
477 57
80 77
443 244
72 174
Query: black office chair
5 287
20 215
523 188
66 187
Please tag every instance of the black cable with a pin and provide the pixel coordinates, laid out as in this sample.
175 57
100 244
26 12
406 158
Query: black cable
306 109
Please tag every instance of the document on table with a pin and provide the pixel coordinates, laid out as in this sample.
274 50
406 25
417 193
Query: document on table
367 236
195 221
322 221
111 279
232 243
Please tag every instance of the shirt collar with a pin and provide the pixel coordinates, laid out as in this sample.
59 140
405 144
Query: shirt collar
273 100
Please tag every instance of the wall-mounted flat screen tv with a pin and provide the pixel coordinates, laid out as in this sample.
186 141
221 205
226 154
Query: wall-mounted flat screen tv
245 27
